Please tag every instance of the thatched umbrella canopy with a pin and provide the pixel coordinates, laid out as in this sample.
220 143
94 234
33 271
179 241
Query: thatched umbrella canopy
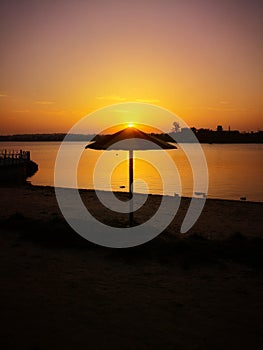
130 139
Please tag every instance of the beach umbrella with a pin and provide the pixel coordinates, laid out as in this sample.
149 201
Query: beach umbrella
129 139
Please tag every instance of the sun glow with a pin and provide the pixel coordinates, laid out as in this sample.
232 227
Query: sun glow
130 125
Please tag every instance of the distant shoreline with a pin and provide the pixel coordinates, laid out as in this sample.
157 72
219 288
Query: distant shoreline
121 193
202 135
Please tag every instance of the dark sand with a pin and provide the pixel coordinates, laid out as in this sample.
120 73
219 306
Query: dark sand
202 290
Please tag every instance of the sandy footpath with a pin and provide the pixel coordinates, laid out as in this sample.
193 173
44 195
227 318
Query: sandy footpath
200 292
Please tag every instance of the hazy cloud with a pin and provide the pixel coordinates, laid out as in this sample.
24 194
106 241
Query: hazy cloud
222 109
44 102
22 111
112 98
147 100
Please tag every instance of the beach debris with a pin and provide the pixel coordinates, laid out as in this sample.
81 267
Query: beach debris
202 194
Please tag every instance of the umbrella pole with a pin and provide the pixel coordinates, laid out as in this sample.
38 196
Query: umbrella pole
130 186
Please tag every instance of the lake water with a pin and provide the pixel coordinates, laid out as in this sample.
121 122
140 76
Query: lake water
235 170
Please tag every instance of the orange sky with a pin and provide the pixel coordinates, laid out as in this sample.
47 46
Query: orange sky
60 60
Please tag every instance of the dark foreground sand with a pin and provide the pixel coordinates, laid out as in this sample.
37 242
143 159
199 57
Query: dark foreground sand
203 290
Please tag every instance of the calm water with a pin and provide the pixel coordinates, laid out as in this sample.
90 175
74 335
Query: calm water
234 170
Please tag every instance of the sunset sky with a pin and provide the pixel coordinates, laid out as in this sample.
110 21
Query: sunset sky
62 59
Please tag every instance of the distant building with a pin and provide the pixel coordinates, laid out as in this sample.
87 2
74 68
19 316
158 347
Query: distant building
186 130
219 128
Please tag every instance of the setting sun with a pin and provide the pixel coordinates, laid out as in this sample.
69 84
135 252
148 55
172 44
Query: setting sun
130 125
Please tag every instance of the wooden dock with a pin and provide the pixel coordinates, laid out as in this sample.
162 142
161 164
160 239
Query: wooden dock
16 166
8 157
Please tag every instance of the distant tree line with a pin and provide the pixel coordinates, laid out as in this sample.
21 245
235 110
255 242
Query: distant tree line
219 136
180 134
45 137
212 136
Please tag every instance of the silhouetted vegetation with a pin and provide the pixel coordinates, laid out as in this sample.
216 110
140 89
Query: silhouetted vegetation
212 136
45 137
180 135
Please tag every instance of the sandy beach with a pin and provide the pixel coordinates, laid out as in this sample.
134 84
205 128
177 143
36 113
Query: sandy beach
200 290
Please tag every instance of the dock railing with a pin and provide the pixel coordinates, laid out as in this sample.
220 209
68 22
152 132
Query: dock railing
8 157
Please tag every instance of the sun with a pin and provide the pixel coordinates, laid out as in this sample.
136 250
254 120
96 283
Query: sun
130 125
